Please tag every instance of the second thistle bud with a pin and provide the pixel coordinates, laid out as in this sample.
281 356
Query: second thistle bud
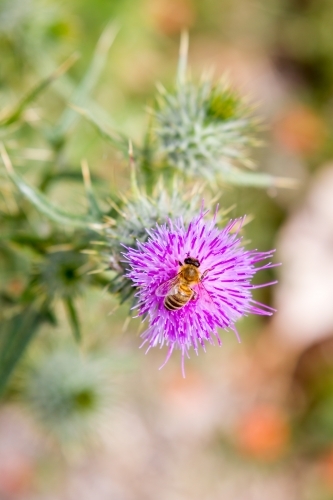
204 129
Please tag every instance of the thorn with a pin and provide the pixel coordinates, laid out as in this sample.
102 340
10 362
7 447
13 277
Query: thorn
286 182
125 325
109 221
134 183
116 208
64 67
66 247
160 88
184 43
86 174
113 310
107 38
208 74
130 149
6 159
87 251
79 110
97 271
183 53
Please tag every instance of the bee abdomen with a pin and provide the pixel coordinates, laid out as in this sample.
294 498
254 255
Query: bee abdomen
177 301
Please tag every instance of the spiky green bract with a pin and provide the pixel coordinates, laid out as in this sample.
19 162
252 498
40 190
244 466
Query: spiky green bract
138 213
204 129
62 274
69 394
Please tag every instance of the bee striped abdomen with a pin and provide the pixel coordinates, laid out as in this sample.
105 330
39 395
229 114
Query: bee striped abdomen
178 300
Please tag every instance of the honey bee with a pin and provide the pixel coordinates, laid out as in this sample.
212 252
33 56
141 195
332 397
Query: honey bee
178 291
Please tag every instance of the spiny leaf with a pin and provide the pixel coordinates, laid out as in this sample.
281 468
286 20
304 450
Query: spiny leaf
73 319
93 207
15 335
41 203
72 175
69 117
14 114
65 87
257 179
147 166
117 140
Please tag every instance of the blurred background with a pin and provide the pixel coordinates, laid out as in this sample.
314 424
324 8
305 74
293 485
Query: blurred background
99 421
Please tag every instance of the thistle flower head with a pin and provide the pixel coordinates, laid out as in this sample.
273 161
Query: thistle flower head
204 129
221 294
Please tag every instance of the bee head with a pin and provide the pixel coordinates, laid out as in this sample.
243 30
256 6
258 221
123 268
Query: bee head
193 262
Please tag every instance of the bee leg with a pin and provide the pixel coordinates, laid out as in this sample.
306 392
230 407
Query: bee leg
194 296
204 274
180 263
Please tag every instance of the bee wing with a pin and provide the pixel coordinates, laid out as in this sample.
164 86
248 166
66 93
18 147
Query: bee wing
168 287
204 294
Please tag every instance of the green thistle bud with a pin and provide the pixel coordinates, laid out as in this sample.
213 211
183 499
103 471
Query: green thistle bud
204 130
62 274
69 394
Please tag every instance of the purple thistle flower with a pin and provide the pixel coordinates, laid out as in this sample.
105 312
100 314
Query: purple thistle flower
222 296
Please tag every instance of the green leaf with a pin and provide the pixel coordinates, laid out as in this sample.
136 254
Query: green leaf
65 87
117 140
80 97
147 166
15 335
42 204
75 176
15 113
73 319
93 207
256 179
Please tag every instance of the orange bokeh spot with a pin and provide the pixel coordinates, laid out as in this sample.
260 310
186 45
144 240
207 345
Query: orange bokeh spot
16 475
300 130
326 468
171 16
263 433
